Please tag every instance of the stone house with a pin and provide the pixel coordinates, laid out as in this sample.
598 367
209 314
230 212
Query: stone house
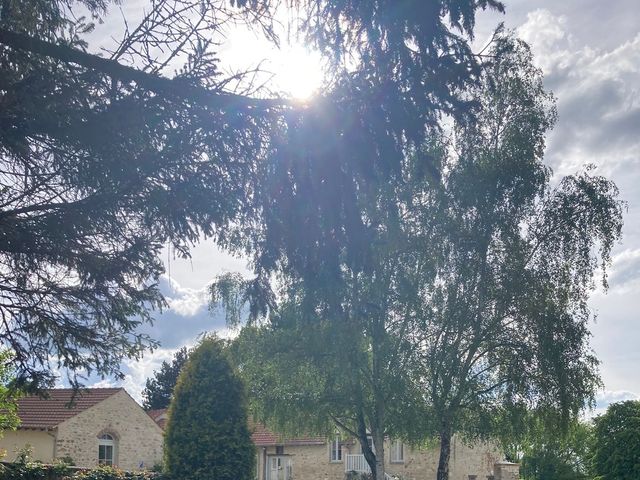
319 458
97 426
331 459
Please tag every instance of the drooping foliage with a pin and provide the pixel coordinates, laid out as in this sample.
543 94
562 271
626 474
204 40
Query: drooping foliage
504 324
315 373
207 434
616 445
158 390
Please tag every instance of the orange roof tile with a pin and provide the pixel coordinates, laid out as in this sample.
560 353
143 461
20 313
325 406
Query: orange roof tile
261 436
60 405
159 416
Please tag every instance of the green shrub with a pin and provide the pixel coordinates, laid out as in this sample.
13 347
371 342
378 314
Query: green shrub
113 473
207 435
61 471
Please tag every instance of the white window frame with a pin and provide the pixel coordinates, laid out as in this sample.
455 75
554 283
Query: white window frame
397 451
284 464
335 450
107 440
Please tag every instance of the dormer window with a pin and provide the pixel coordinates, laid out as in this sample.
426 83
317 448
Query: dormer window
106 449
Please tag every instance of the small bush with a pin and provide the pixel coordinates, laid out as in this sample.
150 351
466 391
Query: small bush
61 471
113 473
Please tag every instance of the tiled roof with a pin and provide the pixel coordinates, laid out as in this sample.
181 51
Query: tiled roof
159 416
60 405
261 436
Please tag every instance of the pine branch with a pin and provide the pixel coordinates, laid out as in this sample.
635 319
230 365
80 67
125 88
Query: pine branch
177 88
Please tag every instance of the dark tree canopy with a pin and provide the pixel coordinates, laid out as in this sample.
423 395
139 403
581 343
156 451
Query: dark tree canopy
397 68
616 445
158 391
99 172
107 159
207 433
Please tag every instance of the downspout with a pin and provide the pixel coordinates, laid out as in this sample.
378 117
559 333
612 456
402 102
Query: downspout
264 463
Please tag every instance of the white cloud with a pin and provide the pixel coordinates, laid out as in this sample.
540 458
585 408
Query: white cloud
625 271
598 96
186 302
597 83
545 33
137 371
186 318
105 383
607 397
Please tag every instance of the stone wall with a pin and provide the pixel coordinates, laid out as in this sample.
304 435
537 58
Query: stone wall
41 442
138 438
507 471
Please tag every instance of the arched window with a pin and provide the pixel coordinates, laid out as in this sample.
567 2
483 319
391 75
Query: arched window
106 449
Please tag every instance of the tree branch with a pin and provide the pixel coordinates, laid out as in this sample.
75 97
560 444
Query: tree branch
161 85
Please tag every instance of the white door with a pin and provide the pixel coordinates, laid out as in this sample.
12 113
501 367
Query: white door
279 468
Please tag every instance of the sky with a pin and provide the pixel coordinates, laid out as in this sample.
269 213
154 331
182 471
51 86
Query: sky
589 51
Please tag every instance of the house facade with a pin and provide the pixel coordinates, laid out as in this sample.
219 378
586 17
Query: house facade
97 426
331 459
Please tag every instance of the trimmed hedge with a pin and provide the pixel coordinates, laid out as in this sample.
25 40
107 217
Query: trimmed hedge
207 435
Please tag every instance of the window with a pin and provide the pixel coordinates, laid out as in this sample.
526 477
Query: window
397 451
279 449
336 449
106 449
473 477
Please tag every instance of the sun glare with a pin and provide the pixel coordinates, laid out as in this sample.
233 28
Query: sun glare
298 72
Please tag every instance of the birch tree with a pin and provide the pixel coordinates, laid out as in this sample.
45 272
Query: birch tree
504 324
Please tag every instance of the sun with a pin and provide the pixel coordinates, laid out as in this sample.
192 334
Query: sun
298 72
293 69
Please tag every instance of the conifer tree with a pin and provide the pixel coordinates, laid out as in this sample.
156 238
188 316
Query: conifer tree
158 390
207 434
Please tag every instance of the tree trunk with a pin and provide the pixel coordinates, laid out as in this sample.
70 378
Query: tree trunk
445 451
378 443
369 456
